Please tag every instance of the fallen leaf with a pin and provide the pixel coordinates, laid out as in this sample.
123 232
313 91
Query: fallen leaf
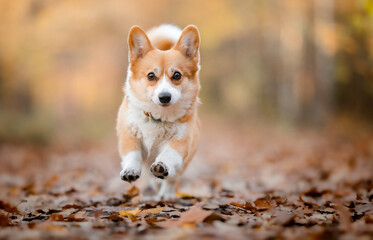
194 215
261 205
369 219
150 210
72 206
283 218
133 192
114 217
183 195
308 201
364 208
245 205
153 220
4 221
72 218
125 213
213 217
133 218
8 207
79 214
314 192
56 217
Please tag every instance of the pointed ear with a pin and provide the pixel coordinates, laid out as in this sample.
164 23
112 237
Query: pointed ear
138 43
188 42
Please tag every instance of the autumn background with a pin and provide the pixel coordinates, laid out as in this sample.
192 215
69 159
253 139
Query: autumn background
63 63
287 113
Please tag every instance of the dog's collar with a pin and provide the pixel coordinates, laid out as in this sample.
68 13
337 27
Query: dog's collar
151 118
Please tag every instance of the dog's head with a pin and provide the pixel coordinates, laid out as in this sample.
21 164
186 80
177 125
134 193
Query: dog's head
162 81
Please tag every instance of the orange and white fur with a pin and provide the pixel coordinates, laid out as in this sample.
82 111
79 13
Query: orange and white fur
158 125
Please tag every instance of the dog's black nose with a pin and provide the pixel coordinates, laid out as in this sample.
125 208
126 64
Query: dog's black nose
164 97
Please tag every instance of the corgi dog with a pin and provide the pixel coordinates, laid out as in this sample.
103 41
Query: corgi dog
158 124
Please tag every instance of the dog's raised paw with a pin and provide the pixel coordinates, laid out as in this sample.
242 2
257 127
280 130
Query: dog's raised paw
159 170
129 175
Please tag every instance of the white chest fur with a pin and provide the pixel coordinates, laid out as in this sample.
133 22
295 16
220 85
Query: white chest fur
153 135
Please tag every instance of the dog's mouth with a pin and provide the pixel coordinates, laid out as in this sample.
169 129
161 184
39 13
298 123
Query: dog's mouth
165 104
162 104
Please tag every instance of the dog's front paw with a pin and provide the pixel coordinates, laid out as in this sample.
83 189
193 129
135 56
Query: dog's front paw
129 175
159 170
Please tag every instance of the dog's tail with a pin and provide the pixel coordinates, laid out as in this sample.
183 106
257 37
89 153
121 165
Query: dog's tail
164 37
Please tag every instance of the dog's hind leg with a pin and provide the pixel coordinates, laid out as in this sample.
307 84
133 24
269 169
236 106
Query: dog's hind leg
167 190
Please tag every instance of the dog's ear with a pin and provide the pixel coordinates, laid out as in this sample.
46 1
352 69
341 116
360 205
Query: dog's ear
188 42
138 43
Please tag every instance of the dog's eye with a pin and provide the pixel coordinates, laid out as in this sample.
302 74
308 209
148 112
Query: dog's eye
151 76
176 76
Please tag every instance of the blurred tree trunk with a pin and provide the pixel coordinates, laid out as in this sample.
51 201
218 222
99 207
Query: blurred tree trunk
316 95
324 64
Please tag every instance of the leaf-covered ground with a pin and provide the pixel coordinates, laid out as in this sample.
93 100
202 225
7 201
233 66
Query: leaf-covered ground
263 184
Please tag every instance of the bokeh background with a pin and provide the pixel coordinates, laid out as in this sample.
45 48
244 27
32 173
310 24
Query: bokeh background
292 63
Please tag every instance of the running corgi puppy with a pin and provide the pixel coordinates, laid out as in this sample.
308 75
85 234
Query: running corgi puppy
158 124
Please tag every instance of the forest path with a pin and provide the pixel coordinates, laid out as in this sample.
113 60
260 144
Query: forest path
244 182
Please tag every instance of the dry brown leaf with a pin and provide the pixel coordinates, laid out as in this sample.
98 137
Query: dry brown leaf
308 201
56 217
262 204
133 218
114 217
213 217
133 192
72 218
244 205
79 214
369 219
194 215
4 221
283 218
153 220
75 206
8 207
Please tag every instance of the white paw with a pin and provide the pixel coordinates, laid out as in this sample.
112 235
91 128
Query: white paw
167 163
130 175
159 170
131 164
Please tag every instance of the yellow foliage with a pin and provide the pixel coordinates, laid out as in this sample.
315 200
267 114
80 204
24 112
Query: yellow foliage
183 195
126 213
151 210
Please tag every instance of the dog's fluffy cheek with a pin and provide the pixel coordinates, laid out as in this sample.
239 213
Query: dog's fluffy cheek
140 90
190 91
